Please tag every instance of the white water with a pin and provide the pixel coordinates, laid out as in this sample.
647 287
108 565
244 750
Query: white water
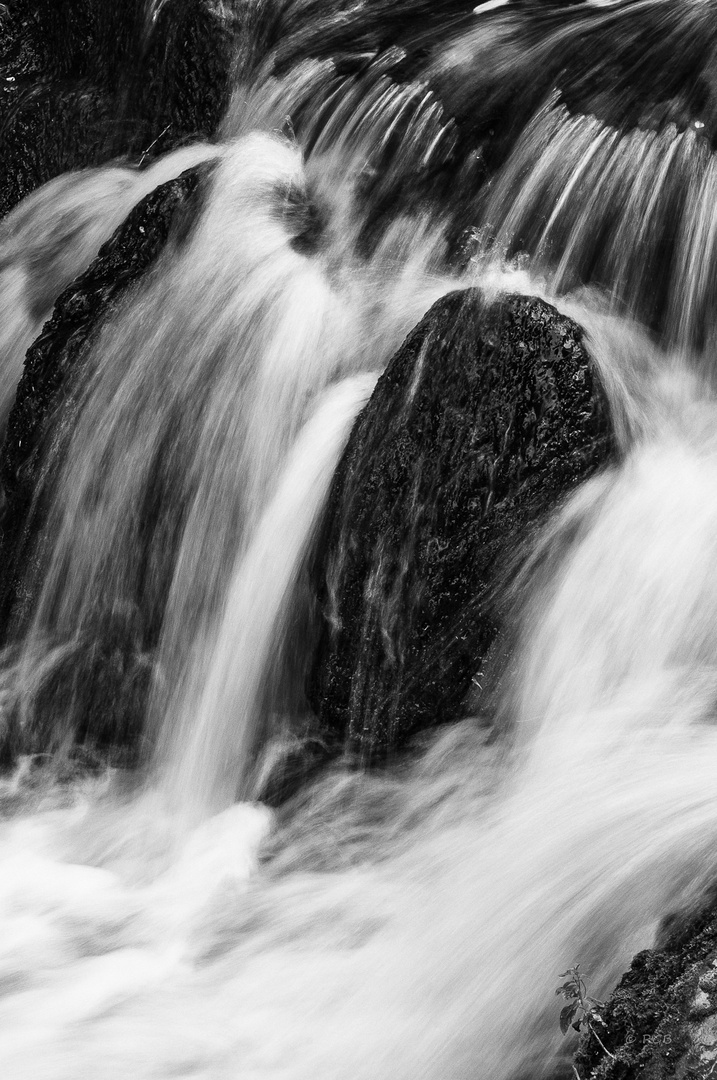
211 746
408 924
416 926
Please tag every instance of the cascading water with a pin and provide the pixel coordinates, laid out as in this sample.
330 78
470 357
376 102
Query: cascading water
213 742
590 204
194 396
409 922
51 237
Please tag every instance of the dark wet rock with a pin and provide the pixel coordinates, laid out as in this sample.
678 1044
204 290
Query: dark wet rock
486 417
47 132
84 81
183 85
661 1020
55 362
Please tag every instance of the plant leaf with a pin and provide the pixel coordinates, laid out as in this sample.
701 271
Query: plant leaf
566 1015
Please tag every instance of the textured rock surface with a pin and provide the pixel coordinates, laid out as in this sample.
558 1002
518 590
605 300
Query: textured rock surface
84 81
661 1020
486 416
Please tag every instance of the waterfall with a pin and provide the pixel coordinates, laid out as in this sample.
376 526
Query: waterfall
156 917
192 398
211 742
52 235
590 204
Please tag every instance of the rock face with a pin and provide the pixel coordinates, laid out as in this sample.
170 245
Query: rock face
486 416
85 81
661 1020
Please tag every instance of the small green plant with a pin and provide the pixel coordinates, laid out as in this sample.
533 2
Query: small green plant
581 1011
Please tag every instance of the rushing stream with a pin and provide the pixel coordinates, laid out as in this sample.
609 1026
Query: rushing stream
410 923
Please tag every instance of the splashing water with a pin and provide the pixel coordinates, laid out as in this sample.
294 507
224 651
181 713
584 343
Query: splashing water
410 923
423 934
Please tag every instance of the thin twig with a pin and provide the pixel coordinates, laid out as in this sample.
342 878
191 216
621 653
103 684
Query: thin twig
594 1032
154 143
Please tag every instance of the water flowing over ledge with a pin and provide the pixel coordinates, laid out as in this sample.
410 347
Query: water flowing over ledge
340 715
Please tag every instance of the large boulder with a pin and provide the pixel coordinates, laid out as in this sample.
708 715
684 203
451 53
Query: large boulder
487 416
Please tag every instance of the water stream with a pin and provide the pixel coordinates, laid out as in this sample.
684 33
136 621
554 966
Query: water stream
159 921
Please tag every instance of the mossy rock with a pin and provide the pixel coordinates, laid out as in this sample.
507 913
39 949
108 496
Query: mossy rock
661 1019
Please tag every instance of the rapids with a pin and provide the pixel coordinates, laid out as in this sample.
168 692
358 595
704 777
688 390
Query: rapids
161 921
